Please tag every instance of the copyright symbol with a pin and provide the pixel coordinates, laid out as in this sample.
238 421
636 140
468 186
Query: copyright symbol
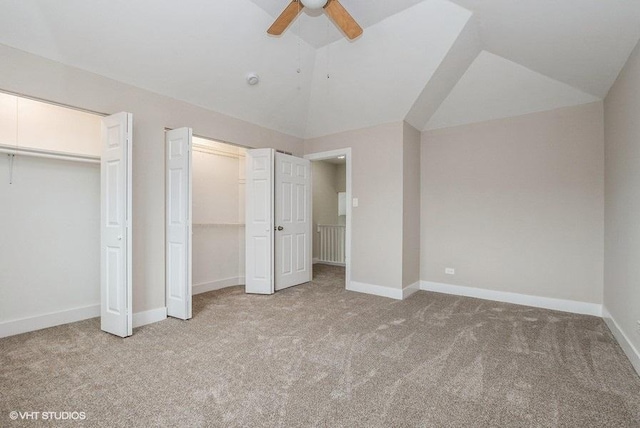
13 415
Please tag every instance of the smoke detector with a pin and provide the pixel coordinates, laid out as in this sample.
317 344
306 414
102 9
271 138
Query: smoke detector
253 79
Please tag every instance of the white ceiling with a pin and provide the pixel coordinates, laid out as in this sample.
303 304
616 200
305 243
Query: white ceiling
494 88
410 56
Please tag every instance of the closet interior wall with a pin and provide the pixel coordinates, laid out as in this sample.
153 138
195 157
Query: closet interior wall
218 215
50 212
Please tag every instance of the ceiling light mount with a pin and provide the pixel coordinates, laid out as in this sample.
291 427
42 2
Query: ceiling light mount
253 79
314 4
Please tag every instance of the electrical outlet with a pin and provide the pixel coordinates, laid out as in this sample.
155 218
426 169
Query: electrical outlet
355 202
450 271
638 327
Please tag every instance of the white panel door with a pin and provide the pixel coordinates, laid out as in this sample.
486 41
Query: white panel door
292 221
115 219
259 188
178 216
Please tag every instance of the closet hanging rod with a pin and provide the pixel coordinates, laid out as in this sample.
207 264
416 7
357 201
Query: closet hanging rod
48 154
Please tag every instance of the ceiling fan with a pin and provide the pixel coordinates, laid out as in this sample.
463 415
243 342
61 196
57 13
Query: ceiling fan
333 8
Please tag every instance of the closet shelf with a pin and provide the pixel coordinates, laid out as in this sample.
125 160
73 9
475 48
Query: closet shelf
217 224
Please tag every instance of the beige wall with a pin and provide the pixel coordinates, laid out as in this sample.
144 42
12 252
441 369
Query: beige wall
377 162
622 201
35 76
411 206
516 205
325 197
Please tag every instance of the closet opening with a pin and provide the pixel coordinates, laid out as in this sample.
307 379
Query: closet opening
218 229
332 214
50 191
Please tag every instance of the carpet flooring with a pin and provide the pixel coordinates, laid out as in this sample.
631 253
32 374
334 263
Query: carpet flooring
317 355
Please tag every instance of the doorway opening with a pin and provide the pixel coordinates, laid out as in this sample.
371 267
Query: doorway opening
332 212
205 234
218 215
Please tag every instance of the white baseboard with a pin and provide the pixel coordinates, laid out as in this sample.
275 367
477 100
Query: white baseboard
216 285
322 262
52 319
315 260
376 290
379 290
149 317
632 353
572 306
410 289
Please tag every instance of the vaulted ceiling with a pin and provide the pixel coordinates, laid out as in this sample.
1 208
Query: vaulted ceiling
434 63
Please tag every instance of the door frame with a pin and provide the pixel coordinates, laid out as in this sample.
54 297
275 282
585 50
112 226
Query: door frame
332 154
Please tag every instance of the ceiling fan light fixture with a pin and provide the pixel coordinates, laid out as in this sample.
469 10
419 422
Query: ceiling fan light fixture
314 4
332 8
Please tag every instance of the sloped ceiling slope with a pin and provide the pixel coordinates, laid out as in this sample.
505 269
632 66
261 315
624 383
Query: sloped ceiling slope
377 79
549 54
583 43
494 87
463 52
313 81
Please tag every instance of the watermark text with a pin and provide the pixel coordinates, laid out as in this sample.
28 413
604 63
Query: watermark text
47 416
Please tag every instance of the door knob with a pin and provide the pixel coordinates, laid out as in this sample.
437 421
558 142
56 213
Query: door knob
119 237
280 228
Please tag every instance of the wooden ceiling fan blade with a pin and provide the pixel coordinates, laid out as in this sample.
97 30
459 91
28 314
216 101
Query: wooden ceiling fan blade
343 19
286 18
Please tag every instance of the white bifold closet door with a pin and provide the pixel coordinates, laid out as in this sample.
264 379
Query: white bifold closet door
278 221
259 194
179 228
115 234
